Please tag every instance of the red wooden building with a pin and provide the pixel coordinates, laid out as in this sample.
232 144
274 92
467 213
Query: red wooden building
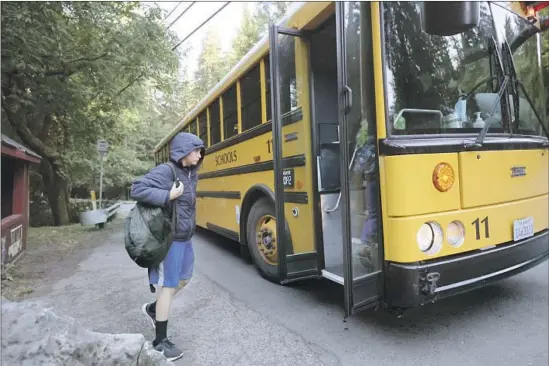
16 159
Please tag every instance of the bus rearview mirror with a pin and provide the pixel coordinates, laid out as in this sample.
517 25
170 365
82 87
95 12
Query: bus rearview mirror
449 18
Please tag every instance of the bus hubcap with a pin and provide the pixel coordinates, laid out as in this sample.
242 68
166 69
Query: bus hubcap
266 239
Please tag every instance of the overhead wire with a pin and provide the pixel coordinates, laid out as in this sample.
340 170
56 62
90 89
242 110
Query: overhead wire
201 25
183 40
180 15
171 11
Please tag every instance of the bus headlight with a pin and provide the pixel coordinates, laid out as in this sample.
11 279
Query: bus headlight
455 233
429 237
443 177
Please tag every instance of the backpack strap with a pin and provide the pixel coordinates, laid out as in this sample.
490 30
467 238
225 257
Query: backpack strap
170 164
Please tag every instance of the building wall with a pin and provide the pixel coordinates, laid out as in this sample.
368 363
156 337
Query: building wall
14 234
14 226
8 168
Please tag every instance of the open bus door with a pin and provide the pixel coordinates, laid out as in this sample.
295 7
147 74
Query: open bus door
363 283
285 111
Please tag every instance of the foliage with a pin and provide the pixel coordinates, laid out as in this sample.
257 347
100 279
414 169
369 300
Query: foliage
213 64
74 72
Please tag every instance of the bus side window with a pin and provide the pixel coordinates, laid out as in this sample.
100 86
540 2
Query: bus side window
268 87
203 127
230 117
250 96
215 123
192 128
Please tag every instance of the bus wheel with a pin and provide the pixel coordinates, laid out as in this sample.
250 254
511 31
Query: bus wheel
262 241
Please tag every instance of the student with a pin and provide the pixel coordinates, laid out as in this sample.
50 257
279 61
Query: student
158 188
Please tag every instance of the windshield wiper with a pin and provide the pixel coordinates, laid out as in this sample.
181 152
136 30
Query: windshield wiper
516 83
499 70
482 134
510 63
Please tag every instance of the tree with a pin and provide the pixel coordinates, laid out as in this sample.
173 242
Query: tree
70 74
212 65
254 26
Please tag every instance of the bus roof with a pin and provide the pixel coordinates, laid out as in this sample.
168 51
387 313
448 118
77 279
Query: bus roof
252 56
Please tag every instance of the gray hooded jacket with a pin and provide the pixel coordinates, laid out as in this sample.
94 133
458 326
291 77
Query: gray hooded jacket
154 187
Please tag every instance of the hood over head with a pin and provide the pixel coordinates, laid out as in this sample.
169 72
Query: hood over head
183 143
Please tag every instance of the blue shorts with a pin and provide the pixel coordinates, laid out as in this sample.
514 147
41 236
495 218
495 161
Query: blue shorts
177 266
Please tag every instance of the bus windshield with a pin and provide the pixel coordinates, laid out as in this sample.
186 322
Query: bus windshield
448 85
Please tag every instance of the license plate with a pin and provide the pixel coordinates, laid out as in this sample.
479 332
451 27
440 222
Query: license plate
523 228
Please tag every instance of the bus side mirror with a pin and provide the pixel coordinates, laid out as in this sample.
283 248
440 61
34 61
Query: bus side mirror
448 18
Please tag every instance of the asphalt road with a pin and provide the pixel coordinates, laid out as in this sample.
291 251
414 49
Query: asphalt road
229 315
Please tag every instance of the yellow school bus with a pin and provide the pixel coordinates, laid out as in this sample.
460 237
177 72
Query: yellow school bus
397 148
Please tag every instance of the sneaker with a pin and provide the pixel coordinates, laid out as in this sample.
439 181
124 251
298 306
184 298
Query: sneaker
150 315
168 349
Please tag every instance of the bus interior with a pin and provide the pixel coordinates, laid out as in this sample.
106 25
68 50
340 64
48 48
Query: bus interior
323 56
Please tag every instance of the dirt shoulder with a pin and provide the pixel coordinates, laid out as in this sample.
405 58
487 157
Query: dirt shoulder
52 253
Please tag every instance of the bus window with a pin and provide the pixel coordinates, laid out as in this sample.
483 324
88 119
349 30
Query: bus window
215 123
288 87
435 83
192 128
230 117
268 87
361 132
250 95
203 127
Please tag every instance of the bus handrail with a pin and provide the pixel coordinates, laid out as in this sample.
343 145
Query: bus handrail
330 210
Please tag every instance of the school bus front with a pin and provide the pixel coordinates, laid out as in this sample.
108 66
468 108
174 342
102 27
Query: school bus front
464 167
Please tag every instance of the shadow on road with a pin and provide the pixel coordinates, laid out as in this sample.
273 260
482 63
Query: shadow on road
466 307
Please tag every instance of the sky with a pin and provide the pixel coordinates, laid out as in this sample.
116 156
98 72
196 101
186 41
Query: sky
226 23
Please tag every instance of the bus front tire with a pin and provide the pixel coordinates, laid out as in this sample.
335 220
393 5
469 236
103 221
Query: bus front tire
260 225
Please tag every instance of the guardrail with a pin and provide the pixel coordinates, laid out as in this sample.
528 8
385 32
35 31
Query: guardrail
99 217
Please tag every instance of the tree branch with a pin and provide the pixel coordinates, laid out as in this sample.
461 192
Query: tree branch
68 71
89 58
21 126
130 84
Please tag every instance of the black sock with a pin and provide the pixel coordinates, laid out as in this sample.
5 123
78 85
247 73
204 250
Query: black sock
152 308
161 331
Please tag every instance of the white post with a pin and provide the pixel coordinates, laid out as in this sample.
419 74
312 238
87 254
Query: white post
102 149
101 183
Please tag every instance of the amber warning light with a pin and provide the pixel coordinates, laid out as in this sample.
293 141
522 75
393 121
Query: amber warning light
443 177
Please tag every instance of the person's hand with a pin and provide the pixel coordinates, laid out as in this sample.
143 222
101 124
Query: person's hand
176 191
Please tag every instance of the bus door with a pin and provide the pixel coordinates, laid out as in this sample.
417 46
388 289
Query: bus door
359 201
297 254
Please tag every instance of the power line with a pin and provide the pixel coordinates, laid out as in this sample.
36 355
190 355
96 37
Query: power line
177 45
170 13
180 15
201 25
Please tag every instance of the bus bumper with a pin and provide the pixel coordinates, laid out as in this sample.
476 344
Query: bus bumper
413 284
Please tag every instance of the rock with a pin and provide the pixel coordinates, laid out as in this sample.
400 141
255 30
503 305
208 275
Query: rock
33 335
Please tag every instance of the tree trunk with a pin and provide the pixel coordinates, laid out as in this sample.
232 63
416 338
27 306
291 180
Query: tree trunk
56 187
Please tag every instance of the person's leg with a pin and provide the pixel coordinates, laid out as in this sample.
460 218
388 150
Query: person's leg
187 267
166 277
